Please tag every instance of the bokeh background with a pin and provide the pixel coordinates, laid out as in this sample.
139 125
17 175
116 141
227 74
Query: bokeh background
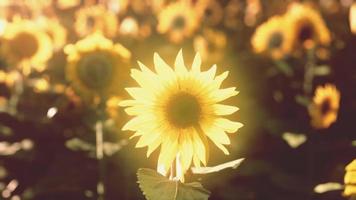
47 124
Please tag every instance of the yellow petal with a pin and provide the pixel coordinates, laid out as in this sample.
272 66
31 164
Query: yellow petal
196 63
146 80
186 150
217 135
168 152
220 109
153 146
148 138
161 67
179 65
140 94
228 125
199 148
222 94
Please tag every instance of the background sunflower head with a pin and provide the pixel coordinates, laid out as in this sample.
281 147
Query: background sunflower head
273 37
325 106
350 179
95 18
26 44
178 20
307 26
96 66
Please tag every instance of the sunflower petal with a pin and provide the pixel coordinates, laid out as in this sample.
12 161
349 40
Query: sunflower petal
148 138
179 65
222 94
196 63
199 148
228 125
220 109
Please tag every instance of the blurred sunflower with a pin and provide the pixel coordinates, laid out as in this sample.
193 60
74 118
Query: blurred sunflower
179 109
95 18
211 45
179 20
96 66
350 179
118 6
232 12
26 44
352 18
130 27
213 12
67 4
272 37
56 31
307 26
325 106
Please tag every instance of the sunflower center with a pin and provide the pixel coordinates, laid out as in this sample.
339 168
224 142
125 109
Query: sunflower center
95 70
306 32
183 110
179 22
275 40
90 21
24 44
325 107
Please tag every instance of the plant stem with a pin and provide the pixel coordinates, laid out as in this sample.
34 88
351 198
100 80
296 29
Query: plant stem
100 157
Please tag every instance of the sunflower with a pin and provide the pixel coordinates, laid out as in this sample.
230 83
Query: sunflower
67 4
352 18
95 18
96 66
213 12
56 31
325 106
350 179
211 45
307 26
272 37
179 20
26 44
178 110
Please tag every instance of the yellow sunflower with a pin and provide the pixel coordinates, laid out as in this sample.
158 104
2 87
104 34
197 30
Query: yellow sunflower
178 20
272 37
325 106
352 18
213 12
211 45
95 18
350 179
178 109
56 31
307 26
96 66
26 44
67 4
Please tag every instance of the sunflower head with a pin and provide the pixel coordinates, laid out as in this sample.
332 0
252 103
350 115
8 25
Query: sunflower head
178 20
350 179
307 26
179 109
24 42
272 37
95 18
55 30
96 66
324 108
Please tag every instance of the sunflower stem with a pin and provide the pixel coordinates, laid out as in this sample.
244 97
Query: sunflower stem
309 73
18 90
100 157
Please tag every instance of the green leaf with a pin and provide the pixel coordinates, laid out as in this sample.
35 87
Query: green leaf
157 187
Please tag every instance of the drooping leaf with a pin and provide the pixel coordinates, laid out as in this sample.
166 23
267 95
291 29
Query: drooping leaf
206 170
157 187
326 187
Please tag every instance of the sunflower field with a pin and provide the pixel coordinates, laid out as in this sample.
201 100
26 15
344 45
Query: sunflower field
177 99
